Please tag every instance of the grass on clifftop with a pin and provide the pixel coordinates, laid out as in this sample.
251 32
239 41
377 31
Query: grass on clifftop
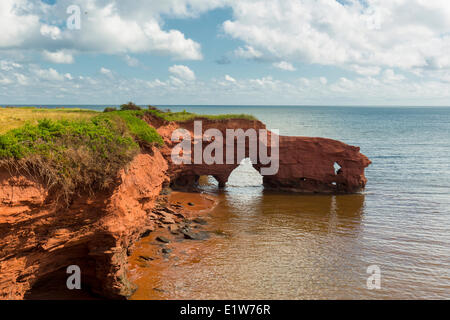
73 155
184 116
11 118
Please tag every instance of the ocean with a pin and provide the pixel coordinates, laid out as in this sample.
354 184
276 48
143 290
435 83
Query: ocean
293 246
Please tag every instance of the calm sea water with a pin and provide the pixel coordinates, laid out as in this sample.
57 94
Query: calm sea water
315 247
289 246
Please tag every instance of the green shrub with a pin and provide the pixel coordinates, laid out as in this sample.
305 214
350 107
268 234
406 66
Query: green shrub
110 109
130 106
139 129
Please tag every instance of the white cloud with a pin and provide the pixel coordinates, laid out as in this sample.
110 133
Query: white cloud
17 24
182 72
21 79
106 72
58 56
48 74
6 65
156 83
5 81
265 82
390 76
132 62
248 52
52 32
41 84
283 65
364 36
229 78
174 81
365 71
404 34
107 27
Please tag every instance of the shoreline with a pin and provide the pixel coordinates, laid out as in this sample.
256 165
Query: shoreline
174 240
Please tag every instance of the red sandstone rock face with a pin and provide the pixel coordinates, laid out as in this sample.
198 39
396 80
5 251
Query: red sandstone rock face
41 238
308 165
305 164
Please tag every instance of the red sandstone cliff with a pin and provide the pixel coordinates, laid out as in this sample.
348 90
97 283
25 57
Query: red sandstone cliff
39 237
305 164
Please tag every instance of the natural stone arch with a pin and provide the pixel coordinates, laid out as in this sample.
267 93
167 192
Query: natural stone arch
305 164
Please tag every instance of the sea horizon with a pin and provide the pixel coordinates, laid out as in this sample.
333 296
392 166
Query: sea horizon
223 105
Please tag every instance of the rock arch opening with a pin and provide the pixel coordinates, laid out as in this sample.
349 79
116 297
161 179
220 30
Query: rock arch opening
245 175
337 168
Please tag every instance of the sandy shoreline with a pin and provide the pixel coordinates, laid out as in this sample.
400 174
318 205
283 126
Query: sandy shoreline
177 239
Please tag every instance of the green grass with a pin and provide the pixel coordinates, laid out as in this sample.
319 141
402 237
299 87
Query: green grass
187 116
76 155
138 127
11 118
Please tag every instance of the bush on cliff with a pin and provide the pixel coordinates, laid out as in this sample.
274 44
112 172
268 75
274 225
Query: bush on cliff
130 106
77 156
141 131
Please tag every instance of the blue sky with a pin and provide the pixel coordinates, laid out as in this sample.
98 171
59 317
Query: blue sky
286 52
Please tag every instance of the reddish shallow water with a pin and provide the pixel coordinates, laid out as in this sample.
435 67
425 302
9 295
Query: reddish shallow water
288 246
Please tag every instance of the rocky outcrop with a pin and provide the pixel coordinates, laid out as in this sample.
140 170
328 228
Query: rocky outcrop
309 165
40 237
318 165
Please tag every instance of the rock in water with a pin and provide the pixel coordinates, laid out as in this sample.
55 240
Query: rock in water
163 239
200 221
202 235
146 258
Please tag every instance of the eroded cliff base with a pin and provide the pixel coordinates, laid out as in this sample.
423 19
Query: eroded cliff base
40 236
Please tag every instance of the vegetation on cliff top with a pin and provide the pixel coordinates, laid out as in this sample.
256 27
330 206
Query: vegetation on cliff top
11 118
75 150
74 155
188 116
15 117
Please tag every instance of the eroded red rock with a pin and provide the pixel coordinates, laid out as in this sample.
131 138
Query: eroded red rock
305 164
40 238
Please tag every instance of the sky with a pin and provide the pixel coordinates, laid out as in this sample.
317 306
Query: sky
222 52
